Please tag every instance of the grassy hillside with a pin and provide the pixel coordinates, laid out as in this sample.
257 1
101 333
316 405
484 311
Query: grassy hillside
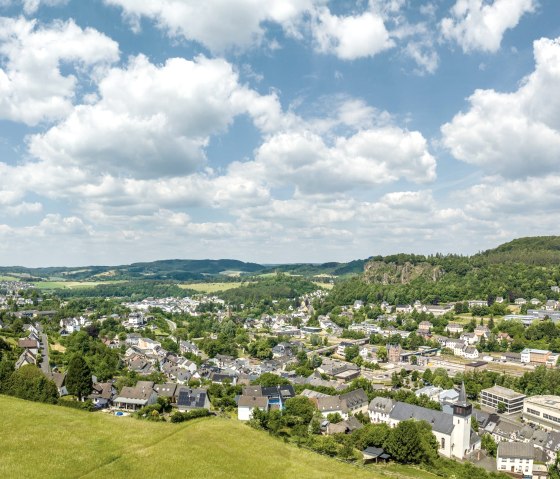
41 441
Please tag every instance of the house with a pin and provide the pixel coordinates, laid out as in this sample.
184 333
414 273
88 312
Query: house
454 328
347 426
188 399
60 381
32 345
102 394
220 378
27 357
379 409
368 352
344 404
246 405
477 303
341 349
358 304
188 347
424 327
167 390
470 352
432 392
520 301
282 349
404 308
515 457
137 397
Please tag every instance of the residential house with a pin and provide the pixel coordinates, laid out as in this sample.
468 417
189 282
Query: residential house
424 327
136 397
341 349
167 390
188 347
102 394
515 457
246 405
379 409
189 399
344 404
454 328
60 381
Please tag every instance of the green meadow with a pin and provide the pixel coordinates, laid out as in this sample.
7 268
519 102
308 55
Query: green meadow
42 441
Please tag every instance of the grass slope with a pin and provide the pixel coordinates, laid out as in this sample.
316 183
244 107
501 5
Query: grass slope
41 441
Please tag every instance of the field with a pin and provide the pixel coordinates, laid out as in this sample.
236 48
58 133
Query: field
40 441
71 284
211 287
8 278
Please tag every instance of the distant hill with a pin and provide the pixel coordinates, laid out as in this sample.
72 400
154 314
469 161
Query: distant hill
392 269
537 250
173 269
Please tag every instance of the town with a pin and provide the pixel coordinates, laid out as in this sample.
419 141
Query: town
467 369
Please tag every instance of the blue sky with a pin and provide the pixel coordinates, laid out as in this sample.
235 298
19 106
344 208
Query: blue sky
279 131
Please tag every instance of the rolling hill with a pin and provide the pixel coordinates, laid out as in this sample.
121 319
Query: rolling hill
42 441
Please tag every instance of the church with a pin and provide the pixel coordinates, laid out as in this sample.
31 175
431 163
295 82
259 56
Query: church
453 431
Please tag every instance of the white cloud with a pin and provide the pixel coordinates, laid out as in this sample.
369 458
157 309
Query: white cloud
32 87
350 37
31 6
217 24
153 121
513 134
369 157
479 25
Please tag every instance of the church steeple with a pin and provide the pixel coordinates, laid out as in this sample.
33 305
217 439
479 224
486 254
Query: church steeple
462 407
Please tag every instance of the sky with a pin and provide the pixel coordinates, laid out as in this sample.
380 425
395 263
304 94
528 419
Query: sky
275 131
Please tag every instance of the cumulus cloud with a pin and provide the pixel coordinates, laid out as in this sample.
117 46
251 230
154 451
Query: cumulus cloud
369 157
513 134
153 121
350 37
32 87
217 24
478 25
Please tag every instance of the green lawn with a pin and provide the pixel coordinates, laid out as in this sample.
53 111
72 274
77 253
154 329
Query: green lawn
40 441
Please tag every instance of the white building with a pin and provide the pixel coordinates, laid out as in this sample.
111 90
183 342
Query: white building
453 432
247 404
543 411
516 457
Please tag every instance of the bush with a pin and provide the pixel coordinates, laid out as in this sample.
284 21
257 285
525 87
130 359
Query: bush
84 406
189 415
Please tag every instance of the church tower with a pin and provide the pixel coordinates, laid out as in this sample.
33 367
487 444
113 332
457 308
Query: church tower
461 435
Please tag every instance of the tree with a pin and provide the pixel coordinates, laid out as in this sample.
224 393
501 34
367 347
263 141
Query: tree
300 407
382 353
270 379
334 417
411 442
78 378
489 444
501 408
28 382
351 353
6 370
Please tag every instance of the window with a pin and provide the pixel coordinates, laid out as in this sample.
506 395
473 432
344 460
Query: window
442 443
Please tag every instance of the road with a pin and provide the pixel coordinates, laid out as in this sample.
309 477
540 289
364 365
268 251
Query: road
172 325
45 366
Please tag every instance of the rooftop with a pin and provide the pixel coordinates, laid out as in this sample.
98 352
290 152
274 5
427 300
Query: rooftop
503 392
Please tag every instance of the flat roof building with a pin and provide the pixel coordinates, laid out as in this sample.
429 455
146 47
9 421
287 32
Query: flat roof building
543 410
512 400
